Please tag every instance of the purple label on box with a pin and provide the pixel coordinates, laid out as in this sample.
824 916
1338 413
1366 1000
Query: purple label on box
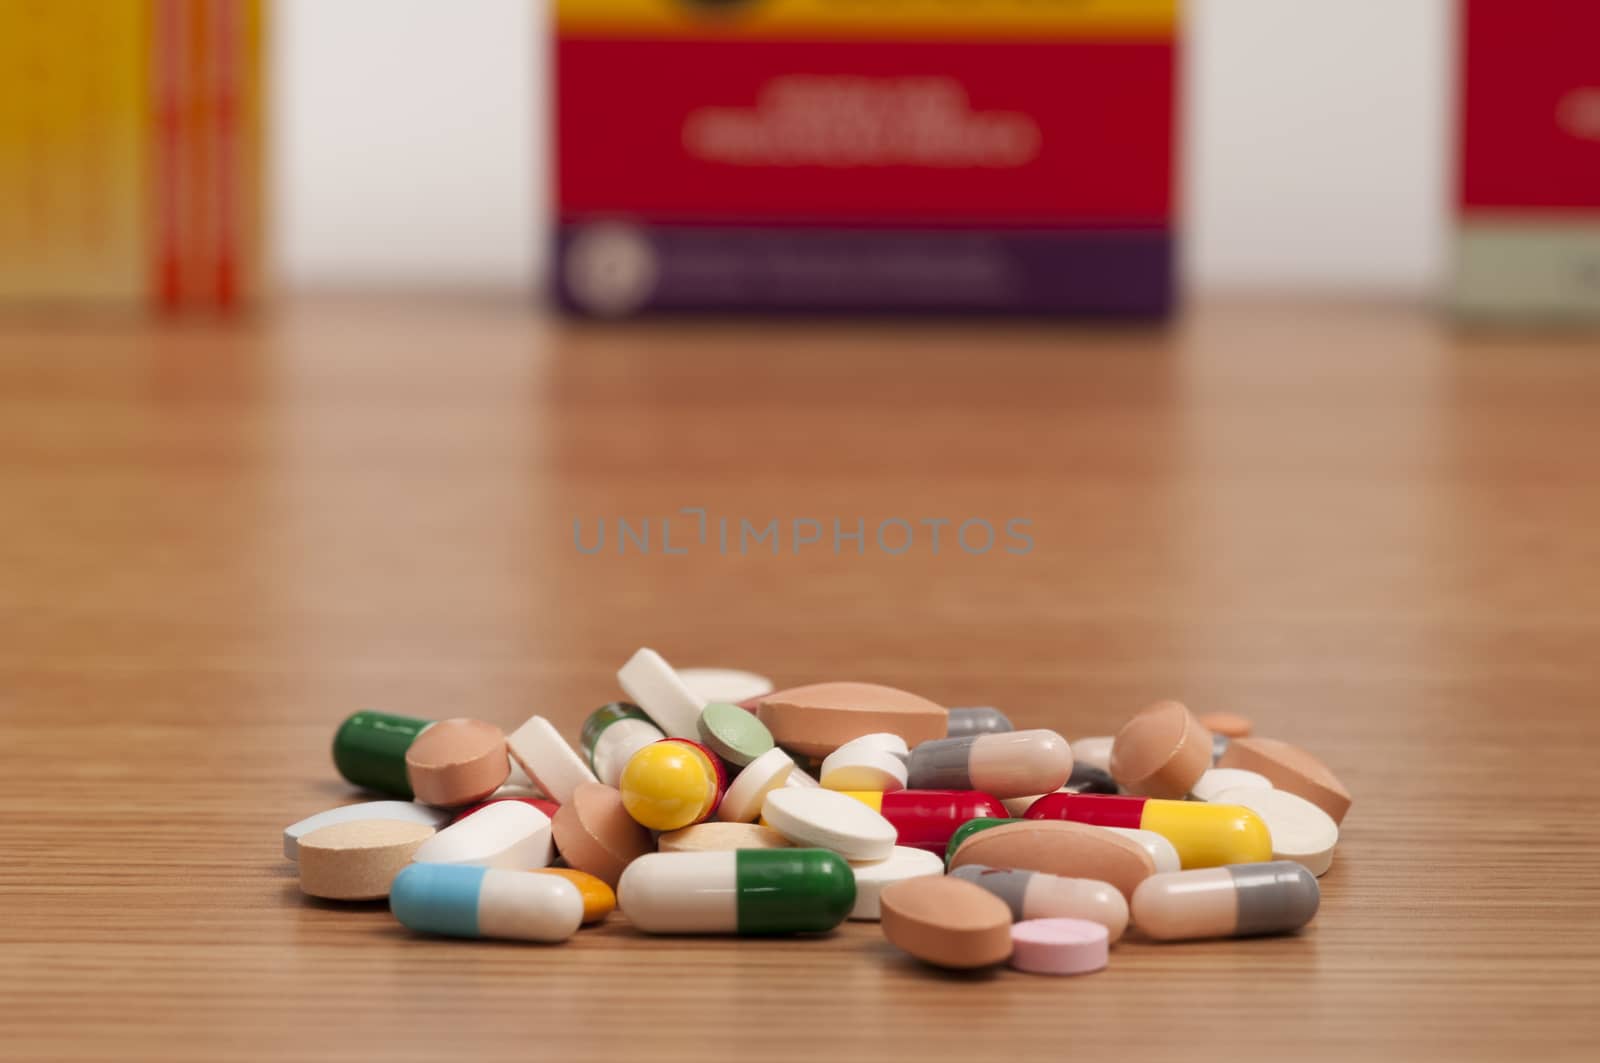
616 269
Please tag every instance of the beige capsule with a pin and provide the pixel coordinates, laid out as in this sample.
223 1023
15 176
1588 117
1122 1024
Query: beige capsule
1036 895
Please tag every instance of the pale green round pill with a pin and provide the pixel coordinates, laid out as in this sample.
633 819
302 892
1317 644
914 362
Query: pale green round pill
733 734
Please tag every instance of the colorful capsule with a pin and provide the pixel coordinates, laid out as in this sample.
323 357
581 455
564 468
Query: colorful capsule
1037 895
1010 764
612 735
1205 835
1235 901
925 819
983 720
369 749
480 902
671 783
745 891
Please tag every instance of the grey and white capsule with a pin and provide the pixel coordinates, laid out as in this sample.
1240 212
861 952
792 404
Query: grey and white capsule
1036 895
981 720
1004 764
1239 900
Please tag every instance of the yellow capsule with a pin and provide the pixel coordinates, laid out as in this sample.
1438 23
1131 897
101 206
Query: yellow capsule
670 784
1208 835
599 900
1205 835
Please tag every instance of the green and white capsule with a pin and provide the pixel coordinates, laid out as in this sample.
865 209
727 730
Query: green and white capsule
614 733
369 749
745 891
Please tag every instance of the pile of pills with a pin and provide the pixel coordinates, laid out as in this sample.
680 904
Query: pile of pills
709 803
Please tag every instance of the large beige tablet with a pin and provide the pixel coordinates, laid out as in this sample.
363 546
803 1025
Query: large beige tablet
817 719
719 837
1161 752
946 922
457 762
594 833
1290 768
357 860
1059 847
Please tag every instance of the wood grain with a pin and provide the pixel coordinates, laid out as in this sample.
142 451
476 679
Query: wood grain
1376 537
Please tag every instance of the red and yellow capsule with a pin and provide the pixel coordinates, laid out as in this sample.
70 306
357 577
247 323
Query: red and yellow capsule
1205 835
925 819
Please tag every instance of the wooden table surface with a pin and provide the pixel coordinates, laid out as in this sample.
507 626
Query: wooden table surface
1376 537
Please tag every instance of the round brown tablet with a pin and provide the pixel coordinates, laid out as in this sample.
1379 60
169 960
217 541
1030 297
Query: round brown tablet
1161 752
594 833
946 921
1290 768
358 859
457 762
717 837
817 719
1060 847
1228 724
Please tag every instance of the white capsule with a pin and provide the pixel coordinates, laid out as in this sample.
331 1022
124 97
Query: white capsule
478 902
1095 751
507 834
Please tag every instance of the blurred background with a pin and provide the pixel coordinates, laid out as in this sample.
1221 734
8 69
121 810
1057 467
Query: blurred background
202 152
1315 151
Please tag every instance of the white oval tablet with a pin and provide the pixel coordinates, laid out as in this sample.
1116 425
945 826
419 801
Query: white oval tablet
1095 752
743 799
873 876
651 684
864 765
552 764
1215 780
404 811
1300 830
1162 851
506 834
724 684
824 819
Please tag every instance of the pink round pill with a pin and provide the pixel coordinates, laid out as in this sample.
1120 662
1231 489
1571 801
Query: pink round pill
1058 946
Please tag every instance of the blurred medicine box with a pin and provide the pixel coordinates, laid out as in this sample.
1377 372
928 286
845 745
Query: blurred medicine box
1528 239
130 152
986 156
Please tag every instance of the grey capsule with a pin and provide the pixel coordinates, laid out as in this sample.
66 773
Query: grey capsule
977 721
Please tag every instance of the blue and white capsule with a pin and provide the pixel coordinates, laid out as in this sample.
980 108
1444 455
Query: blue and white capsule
480 902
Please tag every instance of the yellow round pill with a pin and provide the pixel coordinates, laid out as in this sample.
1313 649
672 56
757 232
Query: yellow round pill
599 899
670 784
